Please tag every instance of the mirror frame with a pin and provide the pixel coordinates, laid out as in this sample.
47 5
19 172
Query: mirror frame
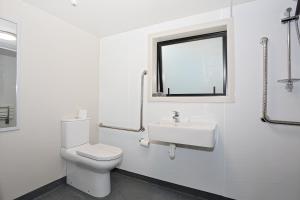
17 127
200 29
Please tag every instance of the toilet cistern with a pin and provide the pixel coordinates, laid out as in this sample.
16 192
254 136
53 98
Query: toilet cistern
176 116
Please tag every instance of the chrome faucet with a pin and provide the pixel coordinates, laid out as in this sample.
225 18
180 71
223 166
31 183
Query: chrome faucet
176 116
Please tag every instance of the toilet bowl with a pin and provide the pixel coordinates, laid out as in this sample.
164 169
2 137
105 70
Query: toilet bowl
88 166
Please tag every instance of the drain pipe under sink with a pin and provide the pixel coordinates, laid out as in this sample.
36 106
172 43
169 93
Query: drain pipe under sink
172 151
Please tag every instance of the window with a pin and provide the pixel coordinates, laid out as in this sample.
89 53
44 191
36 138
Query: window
193 66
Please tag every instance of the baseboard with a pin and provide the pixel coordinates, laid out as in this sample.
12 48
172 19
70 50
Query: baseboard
184 189
42 190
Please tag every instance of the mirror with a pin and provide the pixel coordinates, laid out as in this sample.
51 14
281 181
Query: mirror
8 76
193 66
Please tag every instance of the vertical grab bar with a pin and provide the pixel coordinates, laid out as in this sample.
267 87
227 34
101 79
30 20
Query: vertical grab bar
265 117
141 128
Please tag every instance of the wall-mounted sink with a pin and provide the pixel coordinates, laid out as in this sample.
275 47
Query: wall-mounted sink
200 133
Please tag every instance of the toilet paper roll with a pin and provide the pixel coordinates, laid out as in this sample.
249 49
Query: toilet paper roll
144 142
82 114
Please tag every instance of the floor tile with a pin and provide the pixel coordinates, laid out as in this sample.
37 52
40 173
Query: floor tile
123 188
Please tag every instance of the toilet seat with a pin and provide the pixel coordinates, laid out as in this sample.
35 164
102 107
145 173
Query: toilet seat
99 152
71 155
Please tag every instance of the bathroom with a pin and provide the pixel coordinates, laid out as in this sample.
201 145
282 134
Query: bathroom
94 62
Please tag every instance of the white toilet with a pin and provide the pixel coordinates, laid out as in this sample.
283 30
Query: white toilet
88 166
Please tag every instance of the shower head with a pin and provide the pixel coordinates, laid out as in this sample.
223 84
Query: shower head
288 12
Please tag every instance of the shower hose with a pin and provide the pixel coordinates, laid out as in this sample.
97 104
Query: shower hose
297 30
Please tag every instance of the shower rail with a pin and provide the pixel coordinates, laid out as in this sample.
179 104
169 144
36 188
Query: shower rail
141 128
265 117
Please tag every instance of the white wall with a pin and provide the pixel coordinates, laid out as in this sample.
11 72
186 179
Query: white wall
261 160
59 67
252 160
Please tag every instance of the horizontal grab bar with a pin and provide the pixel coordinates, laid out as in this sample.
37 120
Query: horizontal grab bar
141 128
291 123
265 117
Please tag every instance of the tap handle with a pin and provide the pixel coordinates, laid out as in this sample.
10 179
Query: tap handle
176 113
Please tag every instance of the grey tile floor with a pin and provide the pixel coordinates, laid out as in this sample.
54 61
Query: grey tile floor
123 188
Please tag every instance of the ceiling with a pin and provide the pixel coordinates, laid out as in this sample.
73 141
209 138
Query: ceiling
107 17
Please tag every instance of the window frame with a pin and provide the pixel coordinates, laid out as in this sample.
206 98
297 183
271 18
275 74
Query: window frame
180 31
159 78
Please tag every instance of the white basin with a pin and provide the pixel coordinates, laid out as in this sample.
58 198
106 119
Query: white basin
200 133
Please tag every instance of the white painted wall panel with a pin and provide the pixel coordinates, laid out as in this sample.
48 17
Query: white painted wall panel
253 160
59 73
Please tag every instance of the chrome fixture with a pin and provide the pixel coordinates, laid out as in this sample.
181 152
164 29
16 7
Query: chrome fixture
290 81
141 128
74 3
265 117
297 13
176 116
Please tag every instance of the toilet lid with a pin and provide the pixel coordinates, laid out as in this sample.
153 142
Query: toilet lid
99 152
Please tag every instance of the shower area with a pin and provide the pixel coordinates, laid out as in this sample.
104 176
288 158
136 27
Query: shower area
291 17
